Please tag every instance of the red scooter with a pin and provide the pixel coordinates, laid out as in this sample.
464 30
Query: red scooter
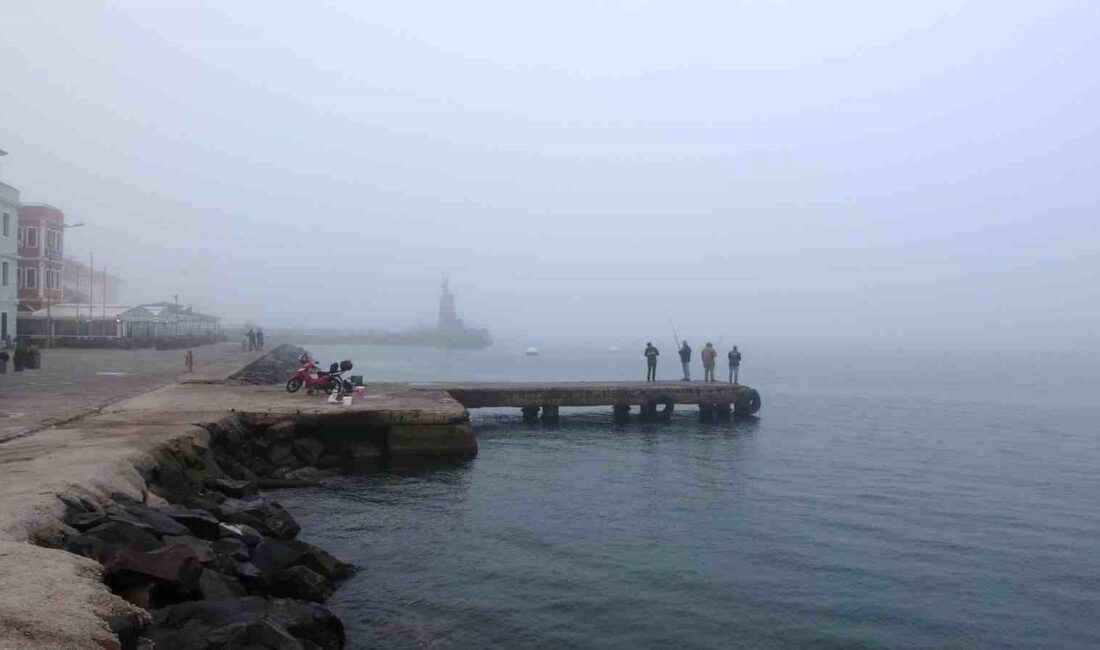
308 375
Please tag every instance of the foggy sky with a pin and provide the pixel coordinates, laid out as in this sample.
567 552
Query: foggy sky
852 170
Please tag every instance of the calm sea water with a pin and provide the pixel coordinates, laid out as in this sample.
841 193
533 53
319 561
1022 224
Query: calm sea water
883 498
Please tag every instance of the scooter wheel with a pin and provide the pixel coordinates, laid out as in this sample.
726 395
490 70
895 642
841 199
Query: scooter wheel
293 385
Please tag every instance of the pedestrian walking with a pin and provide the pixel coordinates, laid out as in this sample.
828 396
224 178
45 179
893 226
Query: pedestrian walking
709 354
651 354
251 339
685 360
259 338
735 364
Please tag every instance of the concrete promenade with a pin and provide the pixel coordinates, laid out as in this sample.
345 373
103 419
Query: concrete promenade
76 383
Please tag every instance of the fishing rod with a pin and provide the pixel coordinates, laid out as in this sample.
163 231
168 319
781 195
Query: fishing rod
675 336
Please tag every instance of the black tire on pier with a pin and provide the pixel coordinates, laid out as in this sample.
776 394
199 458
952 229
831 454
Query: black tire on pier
293 385
748 403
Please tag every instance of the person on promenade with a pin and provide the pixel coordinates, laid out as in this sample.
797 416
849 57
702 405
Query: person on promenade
251 339
685 360
735 364
651 354
709 354
259 338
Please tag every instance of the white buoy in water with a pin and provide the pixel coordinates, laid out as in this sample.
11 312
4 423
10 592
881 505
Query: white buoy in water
532 352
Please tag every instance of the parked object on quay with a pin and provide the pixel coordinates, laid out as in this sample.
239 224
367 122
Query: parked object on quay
4 357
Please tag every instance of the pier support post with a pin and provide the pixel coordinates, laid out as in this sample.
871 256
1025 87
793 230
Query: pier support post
530 413
723 411
622 413
648 412
550 413
706 412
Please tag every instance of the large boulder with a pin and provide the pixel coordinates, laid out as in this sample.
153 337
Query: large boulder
104 541
201 523
309 450
267 517
173 571
275 367
199 624
301 583
214 585
156 521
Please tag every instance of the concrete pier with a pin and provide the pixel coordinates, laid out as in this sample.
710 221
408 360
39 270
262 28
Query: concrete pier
656 400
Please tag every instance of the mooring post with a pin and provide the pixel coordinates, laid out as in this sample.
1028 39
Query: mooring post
530 412
622 413
550 413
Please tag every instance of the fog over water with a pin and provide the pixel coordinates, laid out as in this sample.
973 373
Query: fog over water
854 170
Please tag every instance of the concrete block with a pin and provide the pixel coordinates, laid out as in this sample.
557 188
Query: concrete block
407 440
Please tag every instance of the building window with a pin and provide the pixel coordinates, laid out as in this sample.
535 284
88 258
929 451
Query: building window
7 225
53 240
19 277
30 277
19 231
52 279
32 237
4 273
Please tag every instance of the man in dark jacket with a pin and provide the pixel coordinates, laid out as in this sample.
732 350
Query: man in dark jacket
735 364
685 360
651 355
251 339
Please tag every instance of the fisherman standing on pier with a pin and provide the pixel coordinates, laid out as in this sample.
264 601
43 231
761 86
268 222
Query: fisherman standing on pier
735 364
651 355
251 339
709 354
685 360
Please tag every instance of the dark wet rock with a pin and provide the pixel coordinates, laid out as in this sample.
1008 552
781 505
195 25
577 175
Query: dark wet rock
128 626
214 585
267 517
104 541
284 431
74 503
201 523
155 520
274 556
173 570
331 461
322 562
236 469
139 593
84 520
190 624
281 454
201 548
231 487
243 532
257 634
309 450
301 583
232 548
208 501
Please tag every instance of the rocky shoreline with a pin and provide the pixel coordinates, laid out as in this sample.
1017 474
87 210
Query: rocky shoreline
214 563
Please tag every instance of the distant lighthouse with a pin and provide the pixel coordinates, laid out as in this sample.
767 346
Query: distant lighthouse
448 316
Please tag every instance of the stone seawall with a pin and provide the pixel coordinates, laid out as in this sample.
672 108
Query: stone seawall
193 557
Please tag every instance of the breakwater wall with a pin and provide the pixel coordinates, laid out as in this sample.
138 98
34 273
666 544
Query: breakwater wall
209 561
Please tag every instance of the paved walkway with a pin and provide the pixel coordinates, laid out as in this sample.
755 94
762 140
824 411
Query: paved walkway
76 383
